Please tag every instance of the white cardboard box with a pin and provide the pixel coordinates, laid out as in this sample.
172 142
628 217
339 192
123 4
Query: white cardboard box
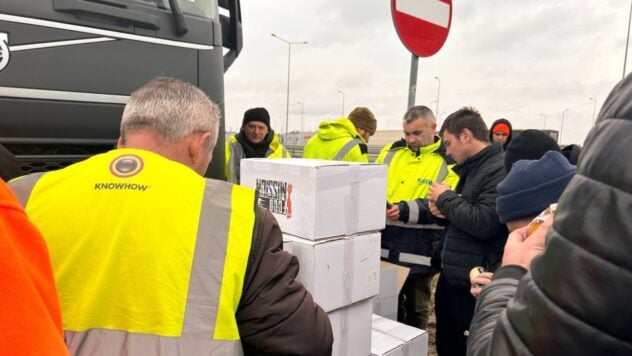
388 280
415 340
392 278
386 307
316 199
351 327
339 271
385 345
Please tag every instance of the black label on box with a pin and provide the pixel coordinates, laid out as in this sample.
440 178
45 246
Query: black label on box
275 196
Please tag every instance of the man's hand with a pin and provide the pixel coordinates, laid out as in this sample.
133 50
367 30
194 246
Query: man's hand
434 210
478 282
520 249
392 213
436 189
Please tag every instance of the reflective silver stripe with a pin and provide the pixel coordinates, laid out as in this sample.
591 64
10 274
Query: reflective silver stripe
23 186
208 262
104 342
384 253
414 259
414 226
236 154
413 212
346 148
443 172
389 156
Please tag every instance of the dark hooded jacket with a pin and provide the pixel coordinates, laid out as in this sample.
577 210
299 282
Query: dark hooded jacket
576 298
501 121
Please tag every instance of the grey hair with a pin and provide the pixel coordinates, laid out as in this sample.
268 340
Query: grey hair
171 108
417 112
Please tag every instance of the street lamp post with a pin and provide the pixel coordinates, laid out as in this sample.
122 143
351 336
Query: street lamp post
343 102
287 100
438 92
627 41
302 135
562 126
543 121
594 109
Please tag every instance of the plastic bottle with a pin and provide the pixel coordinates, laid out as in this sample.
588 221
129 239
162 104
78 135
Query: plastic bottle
541 218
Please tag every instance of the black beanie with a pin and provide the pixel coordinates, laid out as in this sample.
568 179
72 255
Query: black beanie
532 185
530 144
256 114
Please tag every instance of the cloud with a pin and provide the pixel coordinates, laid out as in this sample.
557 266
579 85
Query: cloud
519 60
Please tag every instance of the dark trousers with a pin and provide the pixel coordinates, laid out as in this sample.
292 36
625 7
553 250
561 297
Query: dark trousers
414 302
454 308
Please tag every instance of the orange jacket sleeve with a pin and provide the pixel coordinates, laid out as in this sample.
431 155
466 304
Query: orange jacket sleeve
30 316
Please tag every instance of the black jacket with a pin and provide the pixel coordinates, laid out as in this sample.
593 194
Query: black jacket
576 299
475 236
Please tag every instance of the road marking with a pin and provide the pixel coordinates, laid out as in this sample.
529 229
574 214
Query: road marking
433 11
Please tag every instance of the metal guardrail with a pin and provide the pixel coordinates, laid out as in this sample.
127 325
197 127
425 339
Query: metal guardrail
297 151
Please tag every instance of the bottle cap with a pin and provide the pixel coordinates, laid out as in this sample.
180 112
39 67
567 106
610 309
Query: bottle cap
476 271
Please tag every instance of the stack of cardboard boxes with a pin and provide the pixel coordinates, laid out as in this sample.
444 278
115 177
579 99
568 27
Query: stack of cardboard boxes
331 213
390 338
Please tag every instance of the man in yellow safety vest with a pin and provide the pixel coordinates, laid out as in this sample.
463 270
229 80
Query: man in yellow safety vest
150 258
255 140
344 139
412 237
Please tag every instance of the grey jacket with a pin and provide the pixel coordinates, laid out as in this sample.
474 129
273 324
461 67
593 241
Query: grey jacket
576 300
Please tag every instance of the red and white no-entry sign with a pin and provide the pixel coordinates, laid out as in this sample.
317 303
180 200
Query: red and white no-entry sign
422 25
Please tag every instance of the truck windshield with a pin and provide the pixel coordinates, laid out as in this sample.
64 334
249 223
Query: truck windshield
203 8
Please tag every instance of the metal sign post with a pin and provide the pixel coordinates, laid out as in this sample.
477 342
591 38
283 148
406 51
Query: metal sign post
412 86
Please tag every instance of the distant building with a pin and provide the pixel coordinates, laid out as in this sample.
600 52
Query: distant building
384 137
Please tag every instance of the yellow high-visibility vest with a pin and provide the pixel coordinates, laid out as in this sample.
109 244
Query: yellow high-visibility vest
234 154
410 175
149 257
337 140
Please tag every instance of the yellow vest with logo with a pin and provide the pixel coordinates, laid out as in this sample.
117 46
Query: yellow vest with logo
410 175
149 257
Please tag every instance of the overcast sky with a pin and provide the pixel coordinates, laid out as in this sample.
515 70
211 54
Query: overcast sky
526 61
